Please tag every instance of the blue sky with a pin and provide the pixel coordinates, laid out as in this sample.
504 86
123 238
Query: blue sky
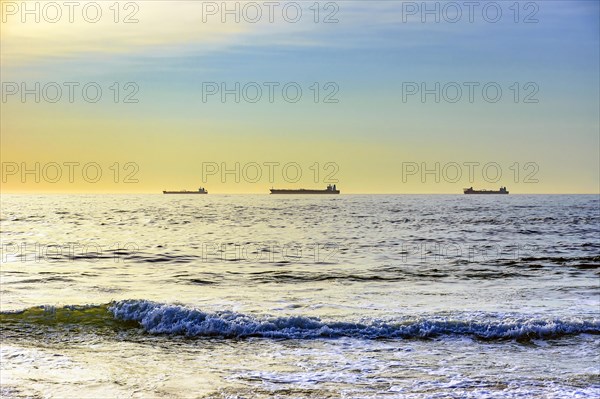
369 54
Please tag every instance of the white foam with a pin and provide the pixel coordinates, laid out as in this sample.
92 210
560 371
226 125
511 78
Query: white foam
157 318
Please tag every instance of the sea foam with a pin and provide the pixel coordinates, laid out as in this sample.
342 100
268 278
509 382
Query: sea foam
158 318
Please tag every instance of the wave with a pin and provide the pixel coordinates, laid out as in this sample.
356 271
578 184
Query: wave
168 319
159 318
66 317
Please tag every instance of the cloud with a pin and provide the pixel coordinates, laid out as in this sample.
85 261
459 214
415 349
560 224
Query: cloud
160 24
173 27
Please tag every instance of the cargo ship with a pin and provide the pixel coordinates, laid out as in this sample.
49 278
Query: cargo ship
201 190
471 191
329 190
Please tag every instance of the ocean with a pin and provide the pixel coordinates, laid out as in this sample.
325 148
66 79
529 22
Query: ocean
258 296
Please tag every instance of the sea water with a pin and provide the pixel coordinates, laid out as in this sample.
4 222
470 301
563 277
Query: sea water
257 296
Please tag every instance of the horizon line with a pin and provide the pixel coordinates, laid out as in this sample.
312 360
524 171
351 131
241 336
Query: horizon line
269 194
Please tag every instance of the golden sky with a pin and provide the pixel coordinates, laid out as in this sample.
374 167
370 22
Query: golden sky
156 123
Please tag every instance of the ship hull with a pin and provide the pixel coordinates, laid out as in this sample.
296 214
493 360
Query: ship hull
184 192
305 191
486 192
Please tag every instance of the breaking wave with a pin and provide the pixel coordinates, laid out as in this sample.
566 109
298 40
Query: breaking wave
159 318
168 319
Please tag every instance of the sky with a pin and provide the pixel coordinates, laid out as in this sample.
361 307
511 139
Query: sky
374 96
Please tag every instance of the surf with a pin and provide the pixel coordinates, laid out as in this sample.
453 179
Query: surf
177 320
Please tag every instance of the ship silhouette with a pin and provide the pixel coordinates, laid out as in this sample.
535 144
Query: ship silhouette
201 190
471 191
329 190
